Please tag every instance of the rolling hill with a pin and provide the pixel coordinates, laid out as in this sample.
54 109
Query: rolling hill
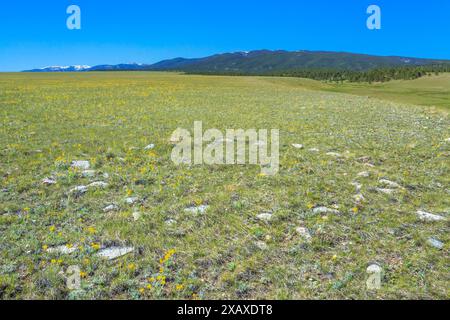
264 62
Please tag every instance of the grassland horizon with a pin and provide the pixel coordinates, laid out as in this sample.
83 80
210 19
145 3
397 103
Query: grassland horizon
88 186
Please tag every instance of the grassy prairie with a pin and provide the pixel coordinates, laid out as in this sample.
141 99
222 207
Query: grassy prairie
49 120
431 91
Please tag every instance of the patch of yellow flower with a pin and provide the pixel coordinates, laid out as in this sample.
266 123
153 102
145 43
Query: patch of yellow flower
95 246
91 230
179 287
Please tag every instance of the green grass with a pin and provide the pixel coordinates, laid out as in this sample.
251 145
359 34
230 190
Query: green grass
431 91
48 120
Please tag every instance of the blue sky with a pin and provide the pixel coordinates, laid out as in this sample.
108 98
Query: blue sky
34 33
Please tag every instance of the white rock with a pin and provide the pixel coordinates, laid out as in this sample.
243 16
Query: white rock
62 249
389 183
435 243
314 150
334 154
136 215
374 268
320 210
364 159
131 200
357 185
197 210
364 174
264 216
111 207
374 279
385 191
149 147
81 164
88 173
48 181
98 184
426 216
261 245
447 140
297 146
114 252
304 233
170 222
79 190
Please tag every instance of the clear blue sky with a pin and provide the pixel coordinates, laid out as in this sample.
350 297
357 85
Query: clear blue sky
34 33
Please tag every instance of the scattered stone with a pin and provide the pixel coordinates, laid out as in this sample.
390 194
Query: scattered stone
98 184
435 243
149 147
264 216
389 183
426 216
314 150
114 252
447 140
48 181
364 159
334 154
136 215
364 174
374 280
261 245
81 164
88 173
320 210
170 222
369 165
106 175
62 249
386 191
304 233
131 200
297 146
197 210
111 207
79 190
357 185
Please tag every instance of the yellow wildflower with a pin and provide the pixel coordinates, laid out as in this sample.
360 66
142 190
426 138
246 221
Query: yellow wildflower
91 230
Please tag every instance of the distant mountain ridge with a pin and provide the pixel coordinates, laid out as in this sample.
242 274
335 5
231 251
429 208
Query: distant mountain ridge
261 62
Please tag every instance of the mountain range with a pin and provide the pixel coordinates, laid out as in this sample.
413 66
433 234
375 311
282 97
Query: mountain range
260 62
